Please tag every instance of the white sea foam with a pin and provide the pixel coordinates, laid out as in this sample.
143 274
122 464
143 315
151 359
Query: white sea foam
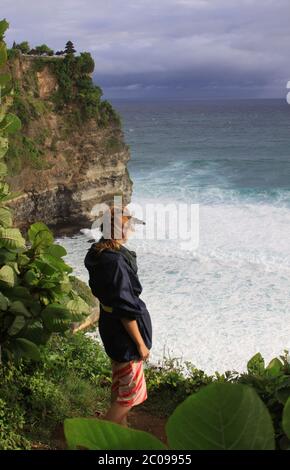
220 304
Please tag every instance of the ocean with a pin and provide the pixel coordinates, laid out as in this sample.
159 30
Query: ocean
219 304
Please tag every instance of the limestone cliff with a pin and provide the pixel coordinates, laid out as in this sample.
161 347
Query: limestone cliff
62 162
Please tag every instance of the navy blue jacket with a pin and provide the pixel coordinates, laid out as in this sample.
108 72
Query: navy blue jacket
114 281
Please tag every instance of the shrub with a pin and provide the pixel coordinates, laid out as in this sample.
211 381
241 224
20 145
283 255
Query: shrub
11 428
70 379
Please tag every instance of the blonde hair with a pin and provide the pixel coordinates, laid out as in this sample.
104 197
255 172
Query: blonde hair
107 245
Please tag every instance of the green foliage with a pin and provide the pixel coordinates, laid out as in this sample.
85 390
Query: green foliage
86 63
79 355
222 417
11 427
23 150
69 48
76 95
108 114
38 280
28 108
272 383
69 380
256 364
114 144
23 47
219 417
43 50
99 435
83 290
76 88
172 382
13 53
286 419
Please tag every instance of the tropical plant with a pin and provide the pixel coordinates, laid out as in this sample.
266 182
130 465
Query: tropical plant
71 379
36 297
272 383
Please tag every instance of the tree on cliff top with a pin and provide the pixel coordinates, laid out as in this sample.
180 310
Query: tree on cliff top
24 47
43 50
69 48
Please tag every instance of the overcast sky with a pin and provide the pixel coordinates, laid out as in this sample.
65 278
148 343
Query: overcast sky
167 48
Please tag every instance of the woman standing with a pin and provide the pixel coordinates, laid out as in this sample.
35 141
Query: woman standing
124 324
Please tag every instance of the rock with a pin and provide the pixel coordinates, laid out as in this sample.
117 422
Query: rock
79 165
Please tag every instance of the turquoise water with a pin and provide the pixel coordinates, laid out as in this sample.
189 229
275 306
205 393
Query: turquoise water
229 298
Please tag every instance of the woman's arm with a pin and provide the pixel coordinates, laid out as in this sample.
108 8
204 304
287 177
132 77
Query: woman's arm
132 328
89 321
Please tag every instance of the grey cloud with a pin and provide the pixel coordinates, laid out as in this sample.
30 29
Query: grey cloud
168 47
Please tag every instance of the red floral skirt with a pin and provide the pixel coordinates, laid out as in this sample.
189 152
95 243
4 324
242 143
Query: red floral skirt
128 382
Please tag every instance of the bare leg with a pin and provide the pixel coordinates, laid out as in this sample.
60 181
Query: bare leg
124 421
117 413
114 396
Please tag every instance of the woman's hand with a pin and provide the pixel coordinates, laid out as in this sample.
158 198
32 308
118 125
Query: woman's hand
143 351
132 328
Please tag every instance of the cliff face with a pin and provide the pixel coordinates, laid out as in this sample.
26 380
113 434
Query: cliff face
62 164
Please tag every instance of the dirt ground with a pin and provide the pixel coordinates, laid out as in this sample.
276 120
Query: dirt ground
144 421
137 419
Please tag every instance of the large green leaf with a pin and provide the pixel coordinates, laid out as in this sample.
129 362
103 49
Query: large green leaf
17 325
23 259
30 278
56 317
94 434
221 416
256 365
11 238
78 306
36 333
18 307
24 347
5 78
56 263
283 392
3 169
57 250
3 146
275 367
286 418
10 124
7 276
3 54
5 217
7 256
6 101
4 187
39 235
6 91
4 302
3 26
20 293
11 196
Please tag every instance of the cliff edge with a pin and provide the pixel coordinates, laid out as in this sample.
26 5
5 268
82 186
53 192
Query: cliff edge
70 153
